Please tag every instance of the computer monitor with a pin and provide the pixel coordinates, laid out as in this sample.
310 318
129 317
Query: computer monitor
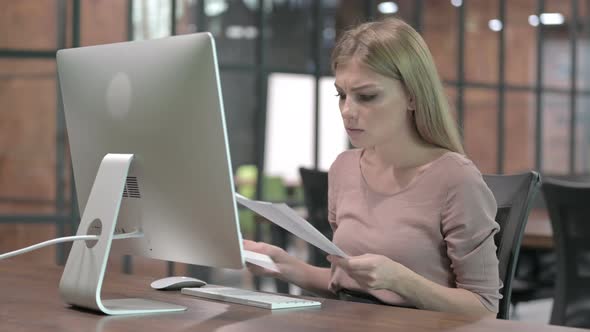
150 155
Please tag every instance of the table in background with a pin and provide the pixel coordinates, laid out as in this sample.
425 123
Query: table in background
31 302
538 233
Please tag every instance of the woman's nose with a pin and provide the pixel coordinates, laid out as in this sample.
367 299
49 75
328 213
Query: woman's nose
347 110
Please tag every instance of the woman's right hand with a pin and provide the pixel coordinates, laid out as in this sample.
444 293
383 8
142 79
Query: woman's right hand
292 270
285 262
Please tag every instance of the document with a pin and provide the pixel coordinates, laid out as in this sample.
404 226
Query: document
260 259
281 214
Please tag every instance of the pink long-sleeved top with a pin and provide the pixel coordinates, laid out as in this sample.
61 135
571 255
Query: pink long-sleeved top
441 225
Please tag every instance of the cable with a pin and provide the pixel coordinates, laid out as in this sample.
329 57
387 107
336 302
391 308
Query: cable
130 235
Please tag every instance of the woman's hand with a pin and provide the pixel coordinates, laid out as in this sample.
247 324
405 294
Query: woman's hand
280 257
293 270
379 272
371 271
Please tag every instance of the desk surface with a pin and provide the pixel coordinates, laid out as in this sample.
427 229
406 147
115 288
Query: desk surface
30 302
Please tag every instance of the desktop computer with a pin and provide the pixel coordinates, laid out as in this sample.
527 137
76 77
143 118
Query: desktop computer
150 156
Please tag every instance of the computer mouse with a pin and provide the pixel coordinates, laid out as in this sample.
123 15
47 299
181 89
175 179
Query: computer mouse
176 283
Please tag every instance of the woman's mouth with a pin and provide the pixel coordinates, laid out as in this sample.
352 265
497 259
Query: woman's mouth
354 131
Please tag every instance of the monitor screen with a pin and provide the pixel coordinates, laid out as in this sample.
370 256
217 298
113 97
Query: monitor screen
159 100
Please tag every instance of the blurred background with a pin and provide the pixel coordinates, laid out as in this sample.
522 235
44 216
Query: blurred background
517 74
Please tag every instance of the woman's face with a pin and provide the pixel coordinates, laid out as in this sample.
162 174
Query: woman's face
375 109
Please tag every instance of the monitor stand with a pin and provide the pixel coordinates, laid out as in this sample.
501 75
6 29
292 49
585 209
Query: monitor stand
82 278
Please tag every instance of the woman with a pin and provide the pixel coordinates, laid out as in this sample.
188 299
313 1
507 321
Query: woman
410 209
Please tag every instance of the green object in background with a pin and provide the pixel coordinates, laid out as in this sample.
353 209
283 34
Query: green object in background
273 190
246 218
246 176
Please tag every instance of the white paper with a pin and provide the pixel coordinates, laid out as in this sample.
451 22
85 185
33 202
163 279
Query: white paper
281 214
260 259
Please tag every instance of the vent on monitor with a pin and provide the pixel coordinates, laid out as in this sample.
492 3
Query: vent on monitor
131 188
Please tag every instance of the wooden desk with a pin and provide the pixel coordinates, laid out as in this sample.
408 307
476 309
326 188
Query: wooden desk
30 302
538 233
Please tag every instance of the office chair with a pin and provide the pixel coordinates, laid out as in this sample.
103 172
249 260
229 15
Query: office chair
569 212
536 271
513 194
315 197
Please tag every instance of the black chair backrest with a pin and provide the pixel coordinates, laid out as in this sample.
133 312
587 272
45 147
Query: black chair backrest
568 204
514 195
315 195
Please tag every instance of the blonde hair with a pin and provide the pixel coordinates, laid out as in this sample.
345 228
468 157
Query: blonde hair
394 49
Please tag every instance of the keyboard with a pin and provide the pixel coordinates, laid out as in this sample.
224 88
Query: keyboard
249 297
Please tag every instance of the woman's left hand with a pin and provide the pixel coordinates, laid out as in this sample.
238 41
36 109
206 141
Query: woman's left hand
371 271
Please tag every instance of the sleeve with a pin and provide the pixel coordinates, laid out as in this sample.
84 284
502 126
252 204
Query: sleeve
468 227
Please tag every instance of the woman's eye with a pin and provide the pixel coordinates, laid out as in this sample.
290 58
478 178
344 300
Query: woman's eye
340 95
366 97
